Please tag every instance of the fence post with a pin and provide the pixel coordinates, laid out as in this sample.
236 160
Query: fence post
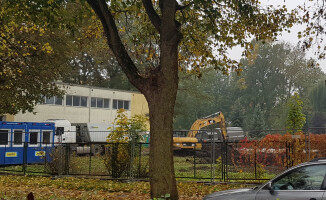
255 160
66 172
139 160
90 158
226 161
212 156
287 154
309 146
306 144
25 157
194 151
223 160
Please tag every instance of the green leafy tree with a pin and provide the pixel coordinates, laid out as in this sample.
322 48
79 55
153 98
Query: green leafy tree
318 97
126 135
256 123
270 75
36 44
198 97
296 119
94 64
127 128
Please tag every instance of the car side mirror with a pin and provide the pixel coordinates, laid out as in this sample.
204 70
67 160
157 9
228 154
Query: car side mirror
269 187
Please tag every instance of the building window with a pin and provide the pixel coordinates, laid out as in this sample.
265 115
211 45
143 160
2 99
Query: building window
115 104
33 137
83 101
97 102
126 105
53 100
118 104
106 103
77 101
93 102
58 101
46 137
68 100
49 100
18 137
4 136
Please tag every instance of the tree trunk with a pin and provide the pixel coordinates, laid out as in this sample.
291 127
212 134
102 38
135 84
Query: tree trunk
161 96
162 178
159 88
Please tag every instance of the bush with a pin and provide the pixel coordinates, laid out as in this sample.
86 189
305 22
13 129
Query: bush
57 163
123 142
117 159
60 162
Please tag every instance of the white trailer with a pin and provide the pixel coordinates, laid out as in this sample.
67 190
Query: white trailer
64 132
80 136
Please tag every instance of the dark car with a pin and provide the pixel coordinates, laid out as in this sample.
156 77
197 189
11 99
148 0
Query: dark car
305 181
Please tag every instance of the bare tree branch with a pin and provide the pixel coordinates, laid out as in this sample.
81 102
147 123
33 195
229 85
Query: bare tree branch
153 16
103 12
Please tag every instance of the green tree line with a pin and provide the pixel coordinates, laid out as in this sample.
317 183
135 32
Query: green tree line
258 98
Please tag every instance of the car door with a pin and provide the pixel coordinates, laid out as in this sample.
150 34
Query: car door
302 183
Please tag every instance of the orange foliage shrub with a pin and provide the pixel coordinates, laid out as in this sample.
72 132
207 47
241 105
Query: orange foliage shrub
279 150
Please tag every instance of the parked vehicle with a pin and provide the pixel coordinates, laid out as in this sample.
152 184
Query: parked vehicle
85 138
32 142
25 142
79 136
302 182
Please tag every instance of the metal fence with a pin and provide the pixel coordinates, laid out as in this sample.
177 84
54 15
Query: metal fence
216 160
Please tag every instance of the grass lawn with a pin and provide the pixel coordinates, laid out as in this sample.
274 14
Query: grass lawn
186 169
18 187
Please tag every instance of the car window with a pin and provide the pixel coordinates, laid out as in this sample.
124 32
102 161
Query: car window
303 178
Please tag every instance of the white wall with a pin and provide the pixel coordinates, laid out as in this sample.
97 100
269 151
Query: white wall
79 114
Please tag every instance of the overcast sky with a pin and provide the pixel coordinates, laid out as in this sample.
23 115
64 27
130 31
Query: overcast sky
286 37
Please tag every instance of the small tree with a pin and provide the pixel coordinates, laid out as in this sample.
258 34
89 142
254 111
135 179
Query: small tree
296 119
122 140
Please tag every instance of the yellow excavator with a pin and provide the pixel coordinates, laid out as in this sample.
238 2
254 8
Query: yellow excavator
190 142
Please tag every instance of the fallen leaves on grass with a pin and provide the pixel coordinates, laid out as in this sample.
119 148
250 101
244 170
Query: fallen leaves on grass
18 187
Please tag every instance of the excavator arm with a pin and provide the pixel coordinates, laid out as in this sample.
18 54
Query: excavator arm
206 121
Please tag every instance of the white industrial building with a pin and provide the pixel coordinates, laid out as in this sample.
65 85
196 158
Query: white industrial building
86 104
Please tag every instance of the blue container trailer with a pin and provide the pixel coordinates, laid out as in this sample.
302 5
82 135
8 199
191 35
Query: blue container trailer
25 142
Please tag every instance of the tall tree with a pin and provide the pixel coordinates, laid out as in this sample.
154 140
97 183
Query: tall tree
94 64
199 97
271 75
36 42
296 119
317 97
206 24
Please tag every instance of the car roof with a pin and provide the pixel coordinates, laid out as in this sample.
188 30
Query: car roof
315 161
312 162
318 160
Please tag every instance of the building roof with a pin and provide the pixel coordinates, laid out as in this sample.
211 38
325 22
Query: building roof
95 87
